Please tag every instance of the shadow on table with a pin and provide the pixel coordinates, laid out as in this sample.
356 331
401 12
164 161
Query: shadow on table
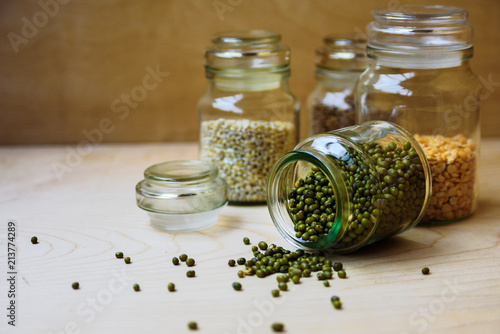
387 247
486 207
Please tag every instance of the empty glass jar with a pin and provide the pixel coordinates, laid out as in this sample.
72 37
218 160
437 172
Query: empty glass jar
419 76
248 116
183 195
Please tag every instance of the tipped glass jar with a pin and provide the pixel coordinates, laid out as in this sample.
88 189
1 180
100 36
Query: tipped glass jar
349 188
248 117
339 62
419 77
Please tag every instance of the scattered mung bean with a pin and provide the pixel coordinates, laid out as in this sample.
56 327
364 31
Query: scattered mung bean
277 327
336 302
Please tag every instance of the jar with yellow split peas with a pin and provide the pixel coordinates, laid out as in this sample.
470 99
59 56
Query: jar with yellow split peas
419 76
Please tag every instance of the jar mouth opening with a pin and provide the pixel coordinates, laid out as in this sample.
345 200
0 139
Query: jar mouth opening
287 170
350 40
422 14
245 38
250 73
182 171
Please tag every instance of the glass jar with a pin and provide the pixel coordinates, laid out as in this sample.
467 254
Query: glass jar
348 188
184 195
419 77
339 62
248 116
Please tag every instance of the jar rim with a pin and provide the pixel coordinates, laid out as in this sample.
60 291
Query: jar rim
245 38
246 50
181 171
279 213
425 28
422 14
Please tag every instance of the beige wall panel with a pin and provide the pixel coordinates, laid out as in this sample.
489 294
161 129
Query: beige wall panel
66 74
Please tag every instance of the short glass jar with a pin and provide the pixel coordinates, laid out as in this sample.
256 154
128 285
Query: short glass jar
349 188
248 116
339 62
184 195
419 76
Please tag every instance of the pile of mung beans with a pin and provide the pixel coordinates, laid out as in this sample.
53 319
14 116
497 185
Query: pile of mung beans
291 266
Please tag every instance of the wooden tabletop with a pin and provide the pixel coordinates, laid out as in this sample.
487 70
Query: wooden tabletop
80 203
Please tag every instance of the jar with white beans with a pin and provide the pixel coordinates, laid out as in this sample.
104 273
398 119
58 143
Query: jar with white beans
248 117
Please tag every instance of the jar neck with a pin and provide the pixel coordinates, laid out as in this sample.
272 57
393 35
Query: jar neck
419 59
335 78
245 80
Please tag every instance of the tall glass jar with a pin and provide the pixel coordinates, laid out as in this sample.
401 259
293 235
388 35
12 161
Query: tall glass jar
339 62
419 77
248 116
350 187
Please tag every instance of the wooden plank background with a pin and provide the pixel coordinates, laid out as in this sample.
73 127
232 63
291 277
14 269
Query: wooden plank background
64 63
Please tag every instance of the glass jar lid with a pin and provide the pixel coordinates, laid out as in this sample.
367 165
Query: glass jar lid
184 195
247 50
420 27
342 52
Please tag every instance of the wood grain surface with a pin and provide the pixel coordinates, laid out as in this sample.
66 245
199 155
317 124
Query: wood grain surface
85 215
60 79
